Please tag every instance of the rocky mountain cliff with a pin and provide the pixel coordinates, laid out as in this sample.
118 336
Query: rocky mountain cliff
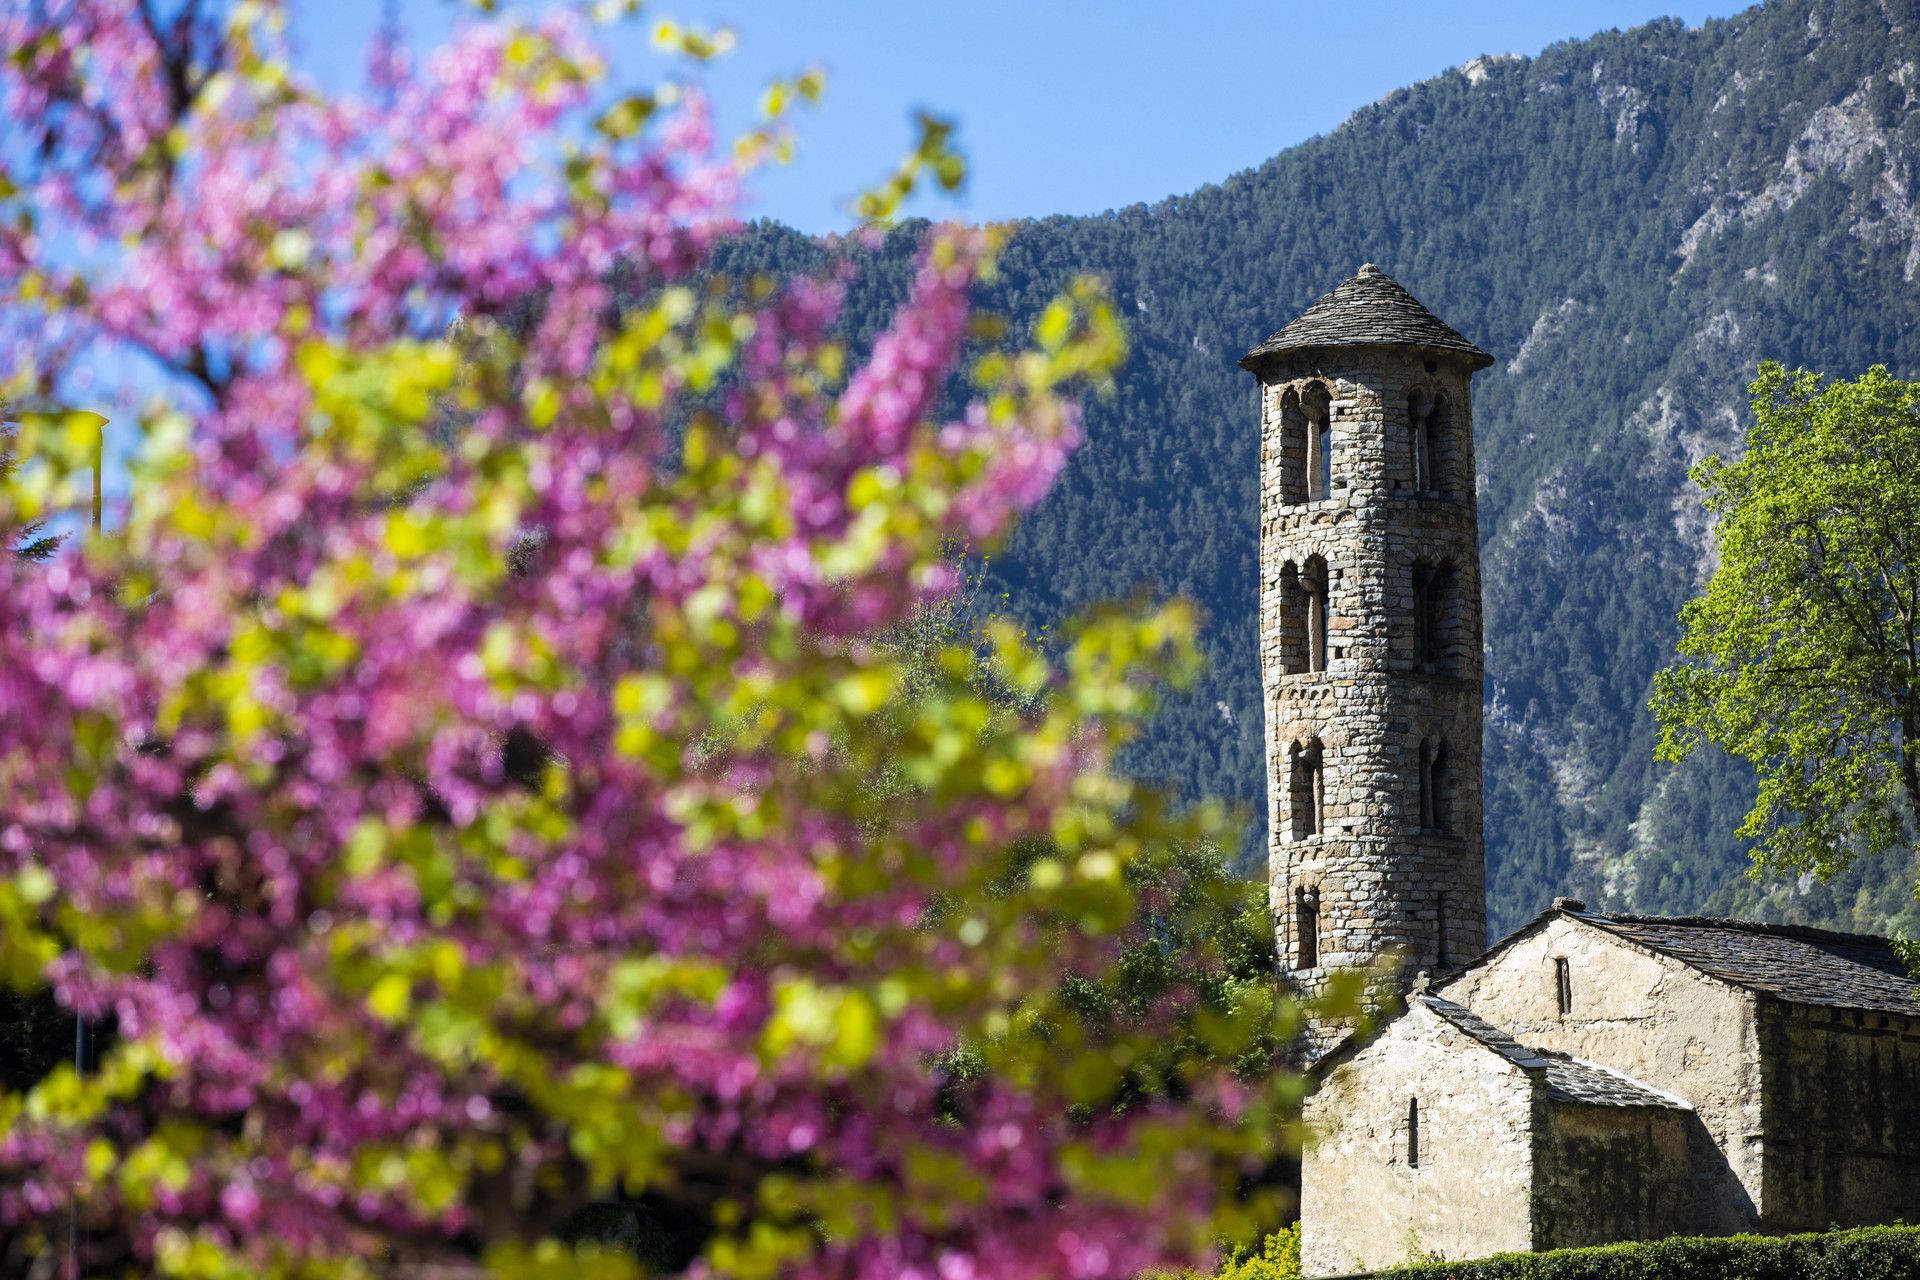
1630 223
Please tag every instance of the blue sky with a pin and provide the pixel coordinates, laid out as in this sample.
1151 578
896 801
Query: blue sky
1064 106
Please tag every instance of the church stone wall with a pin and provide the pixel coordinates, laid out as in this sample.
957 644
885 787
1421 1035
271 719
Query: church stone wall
1656 1020
1383 871
1603 1174
1363 1205
1842 1117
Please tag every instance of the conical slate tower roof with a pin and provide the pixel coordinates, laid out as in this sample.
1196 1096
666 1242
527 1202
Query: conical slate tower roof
1369 310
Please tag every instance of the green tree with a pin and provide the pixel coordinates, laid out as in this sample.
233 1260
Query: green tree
1802 657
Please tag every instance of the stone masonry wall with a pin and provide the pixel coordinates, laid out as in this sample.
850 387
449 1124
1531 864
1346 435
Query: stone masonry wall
1364 1205
1603 1174
1656 1020
1389 872
1841 1108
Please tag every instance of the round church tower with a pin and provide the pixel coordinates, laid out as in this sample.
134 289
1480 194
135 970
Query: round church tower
1370 634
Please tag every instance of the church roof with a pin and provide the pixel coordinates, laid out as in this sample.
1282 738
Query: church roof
1369 310
1568 1079
1789 962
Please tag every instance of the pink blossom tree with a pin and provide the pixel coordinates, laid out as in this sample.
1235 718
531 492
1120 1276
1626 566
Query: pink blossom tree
472 780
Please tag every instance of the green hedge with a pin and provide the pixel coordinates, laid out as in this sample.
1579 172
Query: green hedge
1865 1253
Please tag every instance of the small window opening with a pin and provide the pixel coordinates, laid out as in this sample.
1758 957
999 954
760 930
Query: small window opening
1440 928
1319 421
1563 985
1306 919
1308 789
1413 1133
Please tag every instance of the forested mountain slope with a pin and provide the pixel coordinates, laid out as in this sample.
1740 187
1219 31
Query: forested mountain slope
1630 223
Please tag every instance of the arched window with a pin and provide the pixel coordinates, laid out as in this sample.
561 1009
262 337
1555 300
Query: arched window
1293 620
1293 448
1432 606
1306 927
1308 789
1313 583
1318 408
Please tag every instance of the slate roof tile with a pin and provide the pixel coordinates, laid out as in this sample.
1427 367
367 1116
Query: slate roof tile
1370 309
1569 1079
1789 962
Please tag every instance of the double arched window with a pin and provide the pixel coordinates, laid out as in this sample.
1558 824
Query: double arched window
1306 444
1307 793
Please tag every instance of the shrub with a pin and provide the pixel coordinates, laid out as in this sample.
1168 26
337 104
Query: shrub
1864 1253
1278 1259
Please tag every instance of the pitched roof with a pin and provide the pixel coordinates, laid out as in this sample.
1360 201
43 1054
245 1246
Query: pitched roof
1568 1079
1787 962
1369 310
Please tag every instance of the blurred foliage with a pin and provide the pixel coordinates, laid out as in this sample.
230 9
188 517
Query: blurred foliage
521 769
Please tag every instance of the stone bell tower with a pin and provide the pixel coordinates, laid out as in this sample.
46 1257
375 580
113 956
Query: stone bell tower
1370 635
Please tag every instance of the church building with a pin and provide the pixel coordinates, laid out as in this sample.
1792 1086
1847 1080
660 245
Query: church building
1593 1077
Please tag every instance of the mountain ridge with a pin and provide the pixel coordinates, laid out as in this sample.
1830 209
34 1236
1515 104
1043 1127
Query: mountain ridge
1630 222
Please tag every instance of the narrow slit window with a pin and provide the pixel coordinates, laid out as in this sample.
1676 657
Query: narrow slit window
1440 928
1413 1133
1563 985
1442 783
